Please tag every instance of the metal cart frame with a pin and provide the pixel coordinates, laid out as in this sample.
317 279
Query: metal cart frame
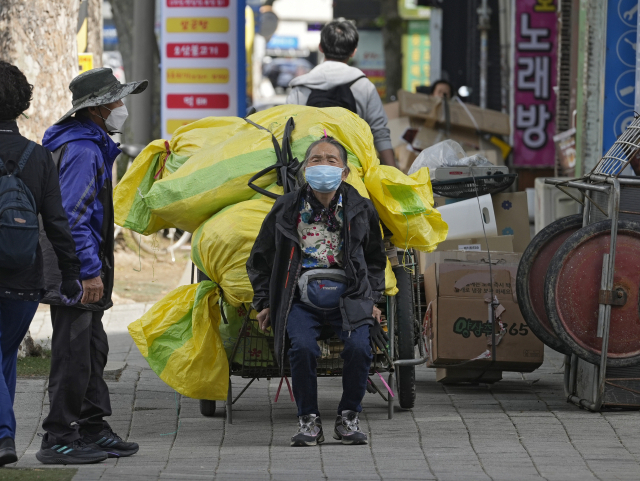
260 368
590 393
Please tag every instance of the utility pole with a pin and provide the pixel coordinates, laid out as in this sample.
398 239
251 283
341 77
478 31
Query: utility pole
484 25
144 46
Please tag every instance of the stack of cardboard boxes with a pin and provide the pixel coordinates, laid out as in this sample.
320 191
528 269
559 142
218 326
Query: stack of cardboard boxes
458 285
418 121
458 281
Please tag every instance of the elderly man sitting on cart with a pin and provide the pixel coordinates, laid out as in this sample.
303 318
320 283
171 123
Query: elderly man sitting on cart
319 260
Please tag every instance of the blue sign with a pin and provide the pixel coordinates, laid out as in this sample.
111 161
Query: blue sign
620 69
282 42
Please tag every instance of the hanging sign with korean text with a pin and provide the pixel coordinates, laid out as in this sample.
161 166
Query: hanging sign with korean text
620 70
203 61
534 100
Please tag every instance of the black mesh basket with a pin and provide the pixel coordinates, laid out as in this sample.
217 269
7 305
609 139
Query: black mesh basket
471 186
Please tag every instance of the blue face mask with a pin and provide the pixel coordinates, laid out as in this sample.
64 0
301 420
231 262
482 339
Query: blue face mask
324 178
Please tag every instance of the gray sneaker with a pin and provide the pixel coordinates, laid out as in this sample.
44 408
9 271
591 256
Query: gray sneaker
348 430
309 431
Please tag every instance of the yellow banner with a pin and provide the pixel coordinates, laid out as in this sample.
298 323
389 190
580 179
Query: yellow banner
174 124
197 75
197 25
85 62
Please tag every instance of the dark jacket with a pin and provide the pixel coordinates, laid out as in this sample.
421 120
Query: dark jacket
39 175
275 263
85 155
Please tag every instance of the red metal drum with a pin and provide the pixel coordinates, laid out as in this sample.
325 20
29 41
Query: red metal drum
531 276
572 288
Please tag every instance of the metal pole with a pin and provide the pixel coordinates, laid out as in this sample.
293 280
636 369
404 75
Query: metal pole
484 18
144 46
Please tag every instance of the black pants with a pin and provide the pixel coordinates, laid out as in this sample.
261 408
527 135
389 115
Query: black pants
77 391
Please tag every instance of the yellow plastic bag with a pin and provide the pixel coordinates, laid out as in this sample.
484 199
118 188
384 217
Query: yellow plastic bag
217 174
405 205
179 337
130 209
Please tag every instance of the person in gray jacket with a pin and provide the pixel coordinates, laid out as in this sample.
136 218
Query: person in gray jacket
334 83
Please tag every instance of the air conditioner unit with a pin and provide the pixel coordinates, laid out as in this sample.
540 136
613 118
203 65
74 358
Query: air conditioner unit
553 204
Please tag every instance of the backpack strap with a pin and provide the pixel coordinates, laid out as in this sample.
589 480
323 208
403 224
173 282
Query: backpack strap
354 81
349 84
26 153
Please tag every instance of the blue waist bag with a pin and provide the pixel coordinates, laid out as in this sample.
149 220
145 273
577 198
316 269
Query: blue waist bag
322 288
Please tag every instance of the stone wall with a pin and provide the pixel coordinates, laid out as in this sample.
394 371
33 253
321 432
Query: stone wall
39 37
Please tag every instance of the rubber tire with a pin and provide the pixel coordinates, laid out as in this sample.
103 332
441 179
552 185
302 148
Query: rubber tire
207 408
529 258
405 332
557 263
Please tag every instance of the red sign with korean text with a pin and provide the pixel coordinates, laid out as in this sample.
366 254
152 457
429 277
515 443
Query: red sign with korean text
197 50
198 101
534 101
197 3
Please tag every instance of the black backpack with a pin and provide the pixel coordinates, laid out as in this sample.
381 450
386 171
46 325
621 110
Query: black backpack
339 96
18 216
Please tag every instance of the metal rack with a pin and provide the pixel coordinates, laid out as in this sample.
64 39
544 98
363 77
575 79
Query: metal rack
585 384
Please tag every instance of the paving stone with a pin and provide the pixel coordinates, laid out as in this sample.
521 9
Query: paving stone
515 429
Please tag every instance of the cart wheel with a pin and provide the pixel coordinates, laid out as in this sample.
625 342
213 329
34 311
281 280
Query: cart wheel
207 408
531 274
573 284
405 332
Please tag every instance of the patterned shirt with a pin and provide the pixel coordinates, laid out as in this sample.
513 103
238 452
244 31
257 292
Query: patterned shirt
320 247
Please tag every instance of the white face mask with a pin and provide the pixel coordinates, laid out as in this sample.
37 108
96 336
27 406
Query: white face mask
116 119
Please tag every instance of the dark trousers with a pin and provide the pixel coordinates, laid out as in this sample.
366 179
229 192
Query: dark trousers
77 391
304 326
15 318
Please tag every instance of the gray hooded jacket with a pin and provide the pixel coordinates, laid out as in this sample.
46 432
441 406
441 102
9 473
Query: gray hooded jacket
330 74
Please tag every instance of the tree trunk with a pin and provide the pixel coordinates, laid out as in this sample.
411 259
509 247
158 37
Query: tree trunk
392 31
123 19
39 37
94 37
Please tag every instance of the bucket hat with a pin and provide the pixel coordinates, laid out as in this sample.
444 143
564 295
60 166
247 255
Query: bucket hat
99 87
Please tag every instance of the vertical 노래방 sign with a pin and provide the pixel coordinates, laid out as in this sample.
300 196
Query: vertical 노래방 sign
535 66
203 61
620 69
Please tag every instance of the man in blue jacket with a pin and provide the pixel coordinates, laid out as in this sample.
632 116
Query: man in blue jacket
84 154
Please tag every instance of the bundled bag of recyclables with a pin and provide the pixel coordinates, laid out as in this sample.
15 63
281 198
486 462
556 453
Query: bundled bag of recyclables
212 160
216 157
180 335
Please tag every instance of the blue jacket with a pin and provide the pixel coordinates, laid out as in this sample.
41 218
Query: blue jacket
86 155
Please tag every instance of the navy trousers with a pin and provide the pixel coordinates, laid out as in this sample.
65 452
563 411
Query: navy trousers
304 326
15 318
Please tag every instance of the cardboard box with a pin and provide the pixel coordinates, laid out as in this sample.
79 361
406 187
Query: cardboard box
392 109
458 327
431 109
472 256
512 218
468 139
501 243
405 157
397 127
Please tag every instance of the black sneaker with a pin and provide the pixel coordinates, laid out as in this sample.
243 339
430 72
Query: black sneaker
347 429
76 452
7 451
309 432
111 443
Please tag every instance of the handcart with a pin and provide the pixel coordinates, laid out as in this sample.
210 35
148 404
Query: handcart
402 316
588 305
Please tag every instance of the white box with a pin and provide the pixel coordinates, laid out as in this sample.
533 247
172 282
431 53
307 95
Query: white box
553 204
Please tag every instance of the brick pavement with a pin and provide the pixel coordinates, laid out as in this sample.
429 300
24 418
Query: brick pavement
518 429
